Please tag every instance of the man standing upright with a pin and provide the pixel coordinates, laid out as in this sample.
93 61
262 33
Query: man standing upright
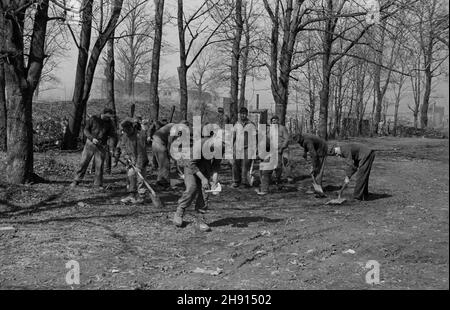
241 158
283 144
98 129
222 119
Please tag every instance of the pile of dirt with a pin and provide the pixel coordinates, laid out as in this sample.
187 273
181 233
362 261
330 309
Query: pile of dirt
419 132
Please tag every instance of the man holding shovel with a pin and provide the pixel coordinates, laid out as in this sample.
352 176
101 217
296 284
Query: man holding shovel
359 159
133 146
97 131
317 149
197 173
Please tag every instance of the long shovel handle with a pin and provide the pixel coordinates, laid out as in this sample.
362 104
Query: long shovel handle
152 191
342 190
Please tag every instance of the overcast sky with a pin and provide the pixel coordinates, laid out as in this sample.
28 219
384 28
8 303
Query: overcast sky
169 63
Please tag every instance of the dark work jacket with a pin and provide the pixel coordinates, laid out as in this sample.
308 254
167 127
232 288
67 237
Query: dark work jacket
100 129
354 154
206 166
316 146
163 133
246 135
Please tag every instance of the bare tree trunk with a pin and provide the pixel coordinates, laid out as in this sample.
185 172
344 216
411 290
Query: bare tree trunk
285 70
3 114
3 110
280 80
109 75
182 69
397 105
245 69
312 97
19 134
324 99
83 80
377 77
73 129
20 84
416 84
338 103
326 72
129 82
182 77
154 79
235 56
36 92
360 85
426 97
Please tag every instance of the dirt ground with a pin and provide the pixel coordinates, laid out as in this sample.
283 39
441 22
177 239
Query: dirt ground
287 240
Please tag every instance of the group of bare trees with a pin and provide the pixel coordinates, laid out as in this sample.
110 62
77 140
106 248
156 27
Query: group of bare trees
354 60
345 58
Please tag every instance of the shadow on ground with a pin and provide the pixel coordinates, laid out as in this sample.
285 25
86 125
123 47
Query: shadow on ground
242 221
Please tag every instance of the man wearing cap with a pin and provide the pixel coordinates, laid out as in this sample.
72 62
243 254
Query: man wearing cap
222 119
133 145
98 129
241 166
359 159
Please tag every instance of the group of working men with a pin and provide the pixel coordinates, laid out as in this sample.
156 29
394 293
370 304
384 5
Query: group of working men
201 176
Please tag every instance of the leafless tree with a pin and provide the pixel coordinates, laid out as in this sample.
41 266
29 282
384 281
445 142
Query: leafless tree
157 43
3 110
56 47
22 76
110 72
195 33
86 66
241 48
429 32
134 45
206 76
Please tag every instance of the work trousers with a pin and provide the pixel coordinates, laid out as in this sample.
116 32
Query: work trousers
318 164
136 183
91 150
240 170
161 154
265 175
193 192
108 161
361 191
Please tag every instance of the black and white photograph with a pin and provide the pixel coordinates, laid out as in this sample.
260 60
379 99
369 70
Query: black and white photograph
242 147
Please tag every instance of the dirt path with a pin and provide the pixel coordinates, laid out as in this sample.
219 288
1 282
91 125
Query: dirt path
288 240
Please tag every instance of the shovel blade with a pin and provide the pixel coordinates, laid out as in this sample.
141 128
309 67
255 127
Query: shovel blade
157 202
337 201
318 188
